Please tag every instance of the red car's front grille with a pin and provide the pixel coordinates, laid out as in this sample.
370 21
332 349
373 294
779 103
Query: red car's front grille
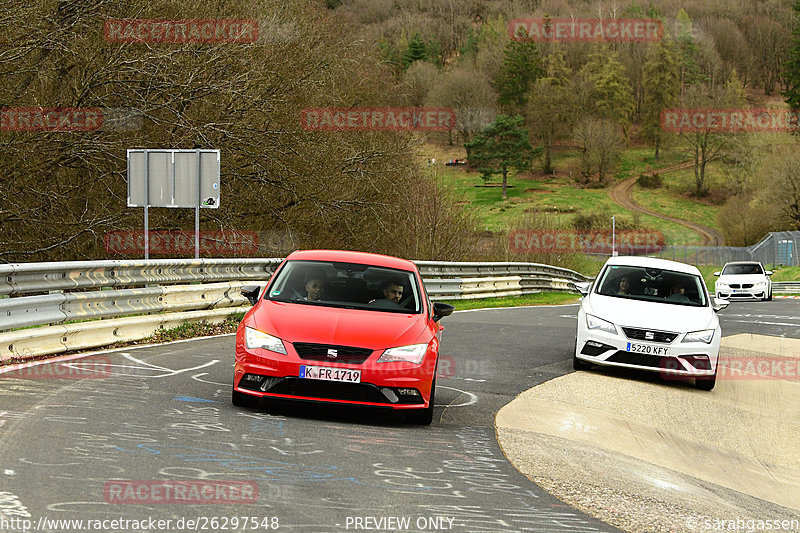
331 353
329 390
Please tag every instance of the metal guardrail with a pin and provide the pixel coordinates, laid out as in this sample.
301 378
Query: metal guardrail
786 287
79 305
25 278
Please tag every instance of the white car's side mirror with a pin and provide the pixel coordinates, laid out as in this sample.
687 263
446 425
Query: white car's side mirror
769 272
717 273
584 287
720 303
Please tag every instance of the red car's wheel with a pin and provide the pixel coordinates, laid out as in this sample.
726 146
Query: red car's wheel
424 416
240 399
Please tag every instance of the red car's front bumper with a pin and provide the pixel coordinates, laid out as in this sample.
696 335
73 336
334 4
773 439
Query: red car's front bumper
262 373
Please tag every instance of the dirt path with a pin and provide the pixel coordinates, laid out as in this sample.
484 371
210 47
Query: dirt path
620 193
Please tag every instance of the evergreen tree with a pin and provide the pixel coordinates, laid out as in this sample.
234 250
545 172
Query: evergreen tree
502 146
791 71
662 89
551 106
687 51
521 67
416 51
612 95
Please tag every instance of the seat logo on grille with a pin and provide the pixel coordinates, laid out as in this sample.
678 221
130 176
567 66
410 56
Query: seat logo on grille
649 335
333 354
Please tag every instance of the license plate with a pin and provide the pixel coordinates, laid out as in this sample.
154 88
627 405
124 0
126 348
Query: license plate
330 374
647 348
741 290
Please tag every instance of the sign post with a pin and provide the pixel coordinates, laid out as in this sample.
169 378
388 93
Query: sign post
173 178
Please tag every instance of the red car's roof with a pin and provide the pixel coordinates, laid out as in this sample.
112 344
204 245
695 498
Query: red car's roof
353 257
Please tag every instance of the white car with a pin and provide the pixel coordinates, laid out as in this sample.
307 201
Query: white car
650 314
744 279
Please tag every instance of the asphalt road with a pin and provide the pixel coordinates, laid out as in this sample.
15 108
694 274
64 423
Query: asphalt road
74 435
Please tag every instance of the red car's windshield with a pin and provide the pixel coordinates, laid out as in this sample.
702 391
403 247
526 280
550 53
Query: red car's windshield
348 285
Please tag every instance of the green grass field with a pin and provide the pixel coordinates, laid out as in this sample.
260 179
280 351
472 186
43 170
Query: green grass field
542 298
560 199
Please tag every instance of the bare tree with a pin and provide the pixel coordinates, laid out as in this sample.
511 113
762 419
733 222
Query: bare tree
470 94
600 143
780 186
61 191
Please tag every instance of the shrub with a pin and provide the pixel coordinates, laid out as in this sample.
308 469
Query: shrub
652 180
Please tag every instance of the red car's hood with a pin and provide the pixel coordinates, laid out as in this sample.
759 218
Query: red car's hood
376 330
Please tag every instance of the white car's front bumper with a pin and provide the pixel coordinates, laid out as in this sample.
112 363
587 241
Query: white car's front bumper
674 358
757 293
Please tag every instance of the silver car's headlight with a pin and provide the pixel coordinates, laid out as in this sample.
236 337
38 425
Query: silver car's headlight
593 322
699 336
412 353
258 339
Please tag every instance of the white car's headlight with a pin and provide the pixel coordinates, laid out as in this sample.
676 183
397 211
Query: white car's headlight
409 354
258 339
593 322
699 336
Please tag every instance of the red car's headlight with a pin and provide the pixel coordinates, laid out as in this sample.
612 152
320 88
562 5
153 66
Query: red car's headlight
409 354
258 339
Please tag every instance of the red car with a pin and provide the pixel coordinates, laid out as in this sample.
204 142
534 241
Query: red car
341 327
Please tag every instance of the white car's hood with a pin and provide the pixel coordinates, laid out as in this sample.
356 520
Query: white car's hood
742 278
650 315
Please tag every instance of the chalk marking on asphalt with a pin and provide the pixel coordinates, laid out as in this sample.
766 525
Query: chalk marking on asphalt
473 399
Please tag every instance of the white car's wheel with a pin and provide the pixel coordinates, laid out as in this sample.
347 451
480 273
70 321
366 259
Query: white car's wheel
578 364
706 383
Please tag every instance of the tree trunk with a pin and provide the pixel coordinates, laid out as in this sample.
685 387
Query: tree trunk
697 169
505 178
548 157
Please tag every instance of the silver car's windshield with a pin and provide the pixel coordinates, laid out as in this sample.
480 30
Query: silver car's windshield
652 285
346 285
742 268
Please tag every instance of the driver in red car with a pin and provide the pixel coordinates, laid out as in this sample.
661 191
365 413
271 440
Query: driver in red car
315 287
392 292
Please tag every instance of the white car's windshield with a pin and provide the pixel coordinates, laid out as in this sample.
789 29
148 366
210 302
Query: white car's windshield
347 285
742 268
652 285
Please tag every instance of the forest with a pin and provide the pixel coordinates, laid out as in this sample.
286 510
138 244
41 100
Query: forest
61 192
